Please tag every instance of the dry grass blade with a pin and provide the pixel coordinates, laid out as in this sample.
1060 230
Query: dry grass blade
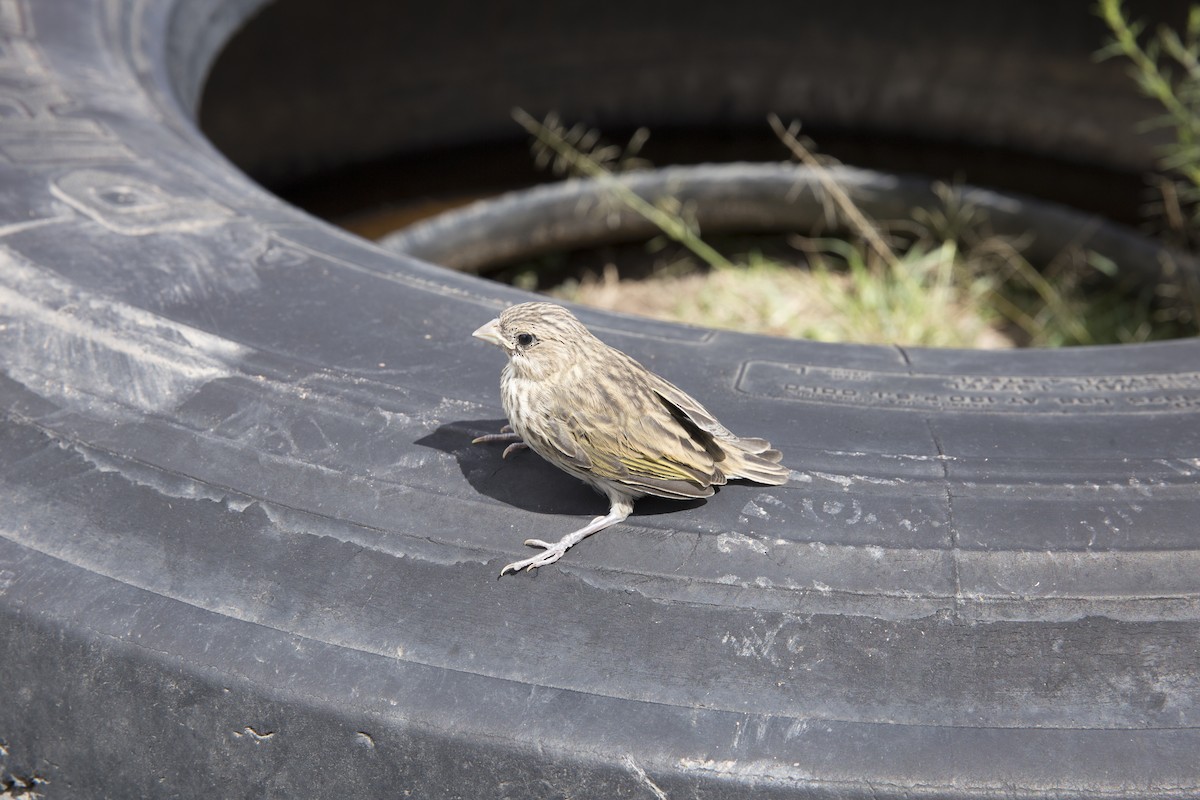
582 163
853 215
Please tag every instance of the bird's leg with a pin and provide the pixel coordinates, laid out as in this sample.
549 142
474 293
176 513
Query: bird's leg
620 508
506 434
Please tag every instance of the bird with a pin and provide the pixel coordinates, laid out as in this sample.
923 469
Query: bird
599 415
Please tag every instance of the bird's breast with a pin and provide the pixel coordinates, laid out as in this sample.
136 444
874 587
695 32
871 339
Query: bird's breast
520 397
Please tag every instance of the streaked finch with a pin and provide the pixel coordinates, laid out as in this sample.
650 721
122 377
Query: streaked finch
597 414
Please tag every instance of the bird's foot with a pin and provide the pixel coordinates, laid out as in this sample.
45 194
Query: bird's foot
506 434
550 554
621 506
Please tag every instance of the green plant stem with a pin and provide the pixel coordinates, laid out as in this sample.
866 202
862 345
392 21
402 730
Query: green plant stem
1153 81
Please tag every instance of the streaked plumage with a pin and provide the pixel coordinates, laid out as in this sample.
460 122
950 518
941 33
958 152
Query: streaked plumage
594 412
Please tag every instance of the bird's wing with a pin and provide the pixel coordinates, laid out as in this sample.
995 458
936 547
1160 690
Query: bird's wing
735 456
652 454
649 446
563 437
703 419
689 406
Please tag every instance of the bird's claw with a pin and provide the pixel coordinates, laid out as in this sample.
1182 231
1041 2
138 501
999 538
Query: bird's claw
506 434
550 554
513 448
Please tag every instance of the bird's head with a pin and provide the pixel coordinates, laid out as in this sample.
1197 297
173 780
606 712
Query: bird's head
540 339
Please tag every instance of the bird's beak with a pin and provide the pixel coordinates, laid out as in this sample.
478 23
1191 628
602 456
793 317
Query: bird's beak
490 333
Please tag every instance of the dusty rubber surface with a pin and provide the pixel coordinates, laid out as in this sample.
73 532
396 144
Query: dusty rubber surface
247 549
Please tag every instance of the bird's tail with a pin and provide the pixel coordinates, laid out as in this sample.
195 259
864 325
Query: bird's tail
753 459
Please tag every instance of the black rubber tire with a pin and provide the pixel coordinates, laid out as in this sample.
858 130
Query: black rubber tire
757 198
246 549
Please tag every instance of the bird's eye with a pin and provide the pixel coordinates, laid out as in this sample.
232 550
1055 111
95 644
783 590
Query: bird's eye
525 339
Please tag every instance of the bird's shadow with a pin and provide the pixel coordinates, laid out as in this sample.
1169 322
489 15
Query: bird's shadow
524 479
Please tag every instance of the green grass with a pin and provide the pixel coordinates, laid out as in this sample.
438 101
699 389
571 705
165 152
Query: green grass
915 303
